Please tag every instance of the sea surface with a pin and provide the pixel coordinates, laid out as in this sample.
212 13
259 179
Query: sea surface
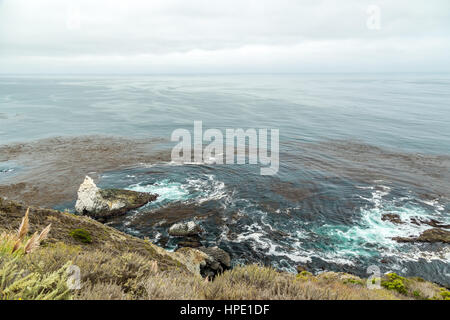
352 148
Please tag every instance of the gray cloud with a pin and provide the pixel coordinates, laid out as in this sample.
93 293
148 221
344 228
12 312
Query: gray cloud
220 36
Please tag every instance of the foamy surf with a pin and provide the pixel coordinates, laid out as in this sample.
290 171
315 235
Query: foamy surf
371 235
196 190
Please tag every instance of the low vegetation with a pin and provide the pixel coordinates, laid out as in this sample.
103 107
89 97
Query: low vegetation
81 235
114 265
17 283
394 282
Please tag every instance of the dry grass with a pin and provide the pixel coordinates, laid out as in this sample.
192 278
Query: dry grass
117 266
18 243
255 283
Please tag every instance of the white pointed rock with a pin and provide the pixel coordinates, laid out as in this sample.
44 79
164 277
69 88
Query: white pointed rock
98 203
89 197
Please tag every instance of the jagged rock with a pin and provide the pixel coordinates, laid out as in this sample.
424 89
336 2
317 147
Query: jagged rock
430 235
219 255
184 229
208 261
392 217
193 259
101 204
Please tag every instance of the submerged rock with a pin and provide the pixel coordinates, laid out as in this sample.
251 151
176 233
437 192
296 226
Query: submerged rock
392 217
430 235
431 222
191 242
102 204
185 229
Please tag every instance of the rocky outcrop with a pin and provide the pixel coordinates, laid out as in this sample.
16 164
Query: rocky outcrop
430 235
185 229
395 218
208 261
219 255
431 222
191 242
102 204
436 234
193 259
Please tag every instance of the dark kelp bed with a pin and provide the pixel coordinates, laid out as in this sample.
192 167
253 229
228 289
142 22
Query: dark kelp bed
51 170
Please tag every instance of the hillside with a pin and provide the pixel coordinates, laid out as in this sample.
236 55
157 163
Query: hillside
114 265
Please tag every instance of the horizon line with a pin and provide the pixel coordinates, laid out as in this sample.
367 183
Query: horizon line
213 73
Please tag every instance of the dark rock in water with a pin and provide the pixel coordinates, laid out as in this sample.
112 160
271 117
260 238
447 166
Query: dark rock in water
431 235
184 229
436 224
103 204
190 242
433 223
395 218
392 217
162 242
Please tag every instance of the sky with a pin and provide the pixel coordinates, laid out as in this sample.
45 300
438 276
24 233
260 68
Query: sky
226 36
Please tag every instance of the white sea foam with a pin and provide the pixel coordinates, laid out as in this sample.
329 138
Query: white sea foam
167 190
370 231
434 203
196 190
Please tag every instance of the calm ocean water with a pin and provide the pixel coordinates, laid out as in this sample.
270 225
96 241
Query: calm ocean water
352 147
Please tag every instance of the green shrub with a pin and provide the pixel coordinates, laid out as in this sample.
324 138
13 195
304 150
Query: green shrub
445 294
353 281
304 275
395 282
81 235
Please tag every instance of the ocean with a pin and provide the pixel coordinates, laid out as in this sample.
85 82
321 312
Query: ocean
353 147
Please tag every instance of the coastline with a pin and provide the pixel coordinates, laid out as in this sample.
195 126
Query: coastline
50 170
117 266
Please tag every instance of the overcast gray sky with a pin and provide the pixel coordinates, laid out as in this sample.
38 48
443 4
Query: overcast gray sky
212 36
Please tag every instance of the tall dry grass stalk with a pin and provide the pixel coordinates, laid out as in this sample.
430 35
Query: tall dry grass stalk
23 228
154 266
32 243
